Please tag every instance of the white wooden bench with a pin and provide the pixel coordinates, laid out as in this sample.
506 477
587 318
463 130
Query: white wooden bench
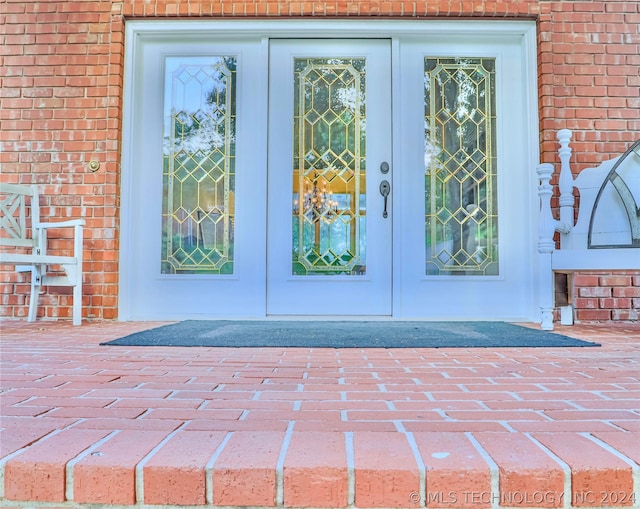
23 243
606 234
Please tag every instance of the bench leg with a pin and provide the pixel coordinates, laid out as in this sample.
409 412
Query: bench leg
77 301
36 283
546 291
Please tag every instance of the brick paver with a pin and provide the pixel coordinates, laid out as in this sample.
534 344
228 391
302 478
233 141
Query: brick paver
86 424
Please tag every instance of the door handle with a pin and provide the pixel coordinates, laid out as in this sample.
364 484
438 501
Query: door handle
385 189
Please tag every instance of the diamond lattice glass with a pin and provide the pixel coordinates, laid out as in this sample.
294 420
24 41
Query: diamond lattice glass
329 193
198 165
461 215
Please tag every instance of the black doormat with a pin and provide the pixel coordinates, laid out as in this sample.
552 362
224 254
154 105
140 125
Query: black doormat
347 334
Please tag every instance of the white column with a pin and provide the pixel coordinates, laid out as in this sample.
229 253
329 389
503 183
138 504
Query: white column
546 245
565 182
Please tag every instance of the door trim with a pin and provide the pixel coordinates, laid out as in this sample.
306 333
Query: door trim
314 28
140 32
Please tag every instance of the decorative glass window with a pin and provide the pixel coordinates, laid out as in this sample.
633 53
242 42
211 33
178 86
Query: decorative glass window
199 165
461 206
329 190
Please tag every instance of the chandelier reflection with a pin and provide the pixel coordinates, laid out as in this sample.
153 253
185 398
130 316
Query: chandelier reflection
317 202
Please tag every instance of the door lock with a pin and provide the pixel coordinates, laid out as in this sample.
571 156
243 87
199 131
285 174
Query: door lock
385 189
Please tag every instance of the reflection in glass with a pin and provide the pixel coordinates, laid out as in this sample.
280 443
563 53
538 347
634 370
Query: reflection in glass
461 216
329 194
198 165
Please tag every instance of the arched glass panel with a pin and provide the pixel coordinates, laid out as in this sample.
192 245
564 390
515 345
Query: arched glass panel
615 219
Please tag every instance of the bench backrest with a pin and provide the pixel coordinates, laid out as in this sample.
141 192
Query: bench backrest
19 213
609 215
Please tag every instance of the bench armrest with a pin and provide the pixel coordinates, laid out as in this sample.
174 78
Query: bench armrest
62 224
41 232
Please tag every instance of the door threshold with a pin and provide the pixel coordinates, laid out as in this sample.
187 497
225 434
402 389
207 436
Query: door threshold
331 318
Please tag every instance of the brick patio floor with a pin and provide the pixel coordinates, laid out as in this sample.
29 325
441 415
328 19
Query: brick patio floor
84 424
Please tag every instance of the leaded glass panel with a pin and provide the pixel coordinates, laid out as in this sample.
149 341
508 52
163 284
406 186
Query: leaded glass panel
461 214
199 165
329 190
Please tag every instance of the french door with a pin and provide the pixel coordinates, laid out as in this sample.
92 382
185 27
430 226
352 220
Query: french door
329 225
197 206
374 176
465 204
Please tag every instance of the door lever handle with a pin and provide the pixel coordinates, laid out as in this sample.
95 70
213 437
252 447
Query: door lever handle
385 189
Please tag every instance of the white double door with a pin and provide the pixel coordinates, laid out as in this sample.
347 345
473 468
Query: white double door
359 177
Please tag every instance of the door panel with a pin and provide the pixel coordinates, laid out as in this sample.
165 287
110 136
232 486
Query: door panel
462 182
329 246
197 247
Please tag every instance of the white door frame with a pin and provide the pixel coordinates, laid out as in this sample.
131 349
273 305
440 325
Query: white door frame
138 33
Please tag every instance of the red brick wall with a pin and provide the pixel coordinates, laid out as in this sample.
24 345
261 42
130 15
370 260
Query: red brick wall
61 73
589 80
606 296
59 106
